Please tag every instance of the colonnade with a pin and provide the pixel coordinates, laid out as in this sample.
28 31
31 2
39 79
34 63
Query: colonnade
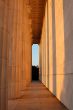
56 49
15 49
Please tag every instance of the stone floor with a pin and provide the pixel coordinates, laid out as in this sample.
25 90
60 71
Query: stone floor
36 97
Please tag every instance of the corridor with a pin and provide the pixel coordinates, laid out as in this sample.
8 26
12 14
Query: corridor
36 97
49 24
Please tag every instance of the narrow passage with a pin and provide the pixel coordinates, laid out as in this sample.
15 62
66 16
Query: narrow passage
36 97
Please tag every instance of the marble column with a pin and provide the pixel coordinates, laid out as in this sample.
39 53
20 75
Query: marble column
20 48
27 45
3 54
28 57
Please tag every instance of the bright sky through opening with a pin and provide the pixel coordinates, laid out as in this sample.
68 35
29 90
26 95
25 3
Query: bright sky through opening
35 55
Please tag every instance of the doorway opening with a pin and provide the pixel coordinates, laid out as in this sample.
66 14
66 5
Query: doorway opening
35 62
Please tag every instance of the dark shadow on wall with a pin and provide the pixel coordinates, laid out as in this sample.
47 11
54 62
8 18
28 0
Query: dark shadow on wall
40 69
35 73
67 91
54 46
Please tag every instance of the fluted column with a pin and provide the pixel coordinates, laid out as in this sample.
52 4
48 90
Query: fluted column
27 45
12 49
28 56
3 54
20 48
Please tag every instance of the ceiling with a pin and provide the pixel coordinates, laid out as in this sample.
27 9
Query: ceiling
37 14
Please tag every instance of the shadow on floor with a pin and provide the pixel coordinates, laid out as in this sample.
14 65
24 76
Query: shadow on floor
36 97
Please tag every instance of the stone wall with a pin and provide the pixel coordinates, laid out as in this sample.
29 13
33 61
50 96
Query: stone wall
56 74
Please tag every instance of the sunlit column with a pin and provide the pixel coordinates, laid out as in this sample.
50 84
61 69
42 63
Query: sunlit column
11 64
59 19
3 54
24 33
21 26
19 50
50 45
13 91
27 44
28 57
47 49
15 49
23 46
